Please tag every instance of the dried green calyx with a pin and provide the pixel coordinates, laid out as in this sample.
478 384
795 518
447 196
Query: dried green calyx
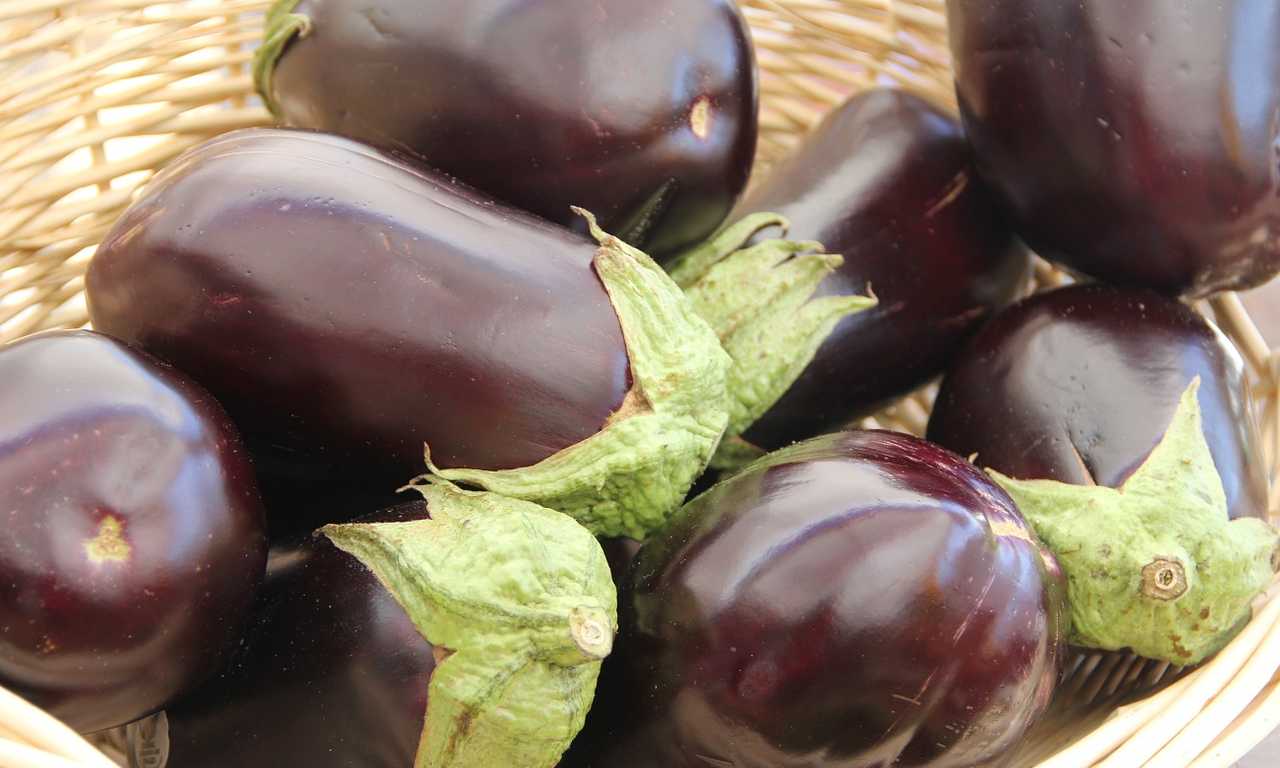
519 603
627 479
282 26
760 301
1156 565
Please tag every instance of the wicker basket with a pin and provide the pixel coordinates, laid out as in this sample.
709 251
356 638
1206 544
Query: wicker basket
97 94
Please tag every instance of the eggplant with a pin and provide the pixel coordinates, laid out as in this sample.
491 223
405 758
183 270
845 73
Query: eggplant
643 113
1119 420
1079 384
134 538
860 599
1133 142
337 668
887 182
348 308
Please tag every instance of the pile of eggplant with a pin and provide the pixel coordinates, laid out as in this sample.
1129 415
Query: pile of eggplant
487 412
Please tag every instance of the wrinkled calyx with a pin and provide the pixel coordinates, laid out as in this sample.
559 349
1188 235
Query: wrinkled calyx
627 479
1155 565
521 597
760 301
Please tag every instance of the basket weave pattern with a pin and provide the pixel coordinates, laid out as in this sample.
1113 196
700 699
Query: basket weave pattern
95 95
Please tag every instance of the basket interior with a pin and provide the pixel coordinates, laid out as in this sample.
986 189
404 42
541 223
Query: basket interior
95 95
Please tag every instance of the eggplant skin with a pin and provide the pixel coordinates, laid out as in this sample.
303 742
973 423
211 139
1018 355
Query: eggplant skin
347 308
887 181
644 113
845 603
134 537
332 672
1134 142
1079 384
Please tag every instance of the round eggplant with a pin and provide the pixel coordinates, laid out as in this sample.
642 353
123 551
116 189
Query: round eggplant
887 182
642 112
133 537
1079 384
1134 142
340 643
348 308
859 600
1118 420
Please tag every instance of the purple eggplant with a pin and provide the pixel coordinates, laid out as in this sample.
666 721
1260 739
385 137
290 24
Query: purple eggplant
134 538
1079 384
348 308
862 599
642 112
332 672
336 672
1135 142
887 182
1119 421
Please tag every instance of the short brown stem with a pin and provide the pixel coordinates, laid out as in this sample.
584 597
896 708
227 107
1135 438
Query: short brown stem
1164 579
591 632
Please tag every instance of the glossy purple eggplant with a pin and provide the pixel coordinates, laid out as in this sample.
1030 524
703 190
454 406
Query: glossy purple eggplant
860 600
1080 384
332 672
642 112
887 182
133 537
1135 142
347 308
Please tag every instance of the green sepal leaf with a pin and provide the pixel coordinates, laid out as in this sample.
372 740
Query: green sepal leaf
760 301
520 605
1156 565
281 27
627 479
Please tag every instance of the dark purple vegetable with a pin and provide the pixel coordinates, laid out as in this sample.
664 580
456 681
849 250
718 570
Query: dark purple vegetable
887 182
329 646
1136 142
133 537
862 599
1079 384
348 309
332 645
641 112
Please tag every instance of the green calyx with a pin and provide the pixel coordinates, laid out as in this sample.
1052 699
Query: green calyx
1156 565
627 479
759 299
521 608
282 25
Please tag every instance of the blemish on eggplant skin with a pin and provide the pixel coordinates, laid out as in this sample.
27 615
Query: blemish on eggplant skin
109 545
700 118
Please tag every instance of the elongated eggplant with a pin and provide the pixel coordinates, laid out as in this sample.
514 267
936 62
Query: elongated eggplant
887 183
1119 421
641 112
1079 384
133 537
340 667
350 308
863 599
1134 142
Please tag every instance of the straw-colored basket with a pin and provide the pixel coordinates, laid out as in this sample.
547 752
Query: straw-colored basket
95 95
